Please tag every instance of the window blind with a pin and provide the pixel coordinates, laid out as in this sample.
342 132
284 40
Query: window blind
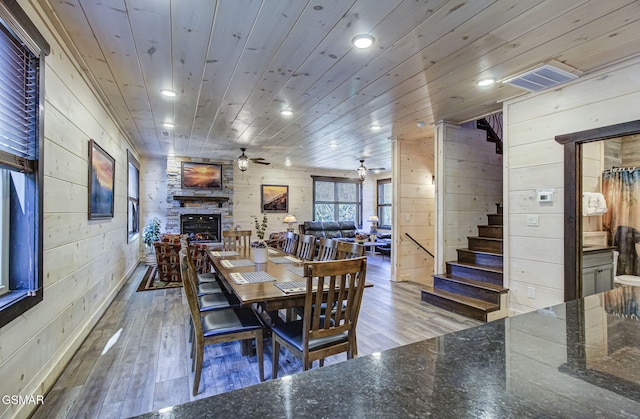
18 103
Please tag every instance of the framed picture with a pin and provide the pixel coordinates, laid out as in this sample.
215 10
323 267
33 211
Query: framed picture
201 175
274 198
102 174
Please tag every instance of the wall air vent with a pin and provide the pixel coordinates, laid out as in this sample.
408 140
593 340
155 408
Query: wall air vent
543 77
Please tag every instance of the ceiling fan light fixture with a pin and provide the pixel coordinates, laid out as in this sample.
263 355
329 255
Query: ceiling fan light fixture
363 41
362 171
243 161
487 81
168 93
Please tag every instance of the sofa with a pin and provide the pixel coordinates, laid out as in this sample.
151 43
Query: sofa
345 230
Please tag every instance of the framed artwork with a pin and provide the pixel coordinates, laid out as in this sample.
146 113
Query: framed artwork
201 175
274 198
133 197
102 174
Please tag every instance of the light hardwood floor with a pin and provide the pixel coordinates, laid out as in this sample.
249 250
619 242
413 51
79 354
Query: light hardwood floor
136 358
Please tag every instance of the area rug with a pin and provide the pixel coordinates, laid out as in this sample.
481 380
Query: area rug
151 282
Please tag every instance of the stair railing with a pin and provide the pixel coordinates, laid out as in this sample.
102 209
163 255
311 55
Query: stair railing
419 245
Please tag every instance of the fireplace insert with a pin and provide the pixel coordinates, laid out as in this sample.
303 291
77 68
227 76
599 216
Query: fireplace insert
201 228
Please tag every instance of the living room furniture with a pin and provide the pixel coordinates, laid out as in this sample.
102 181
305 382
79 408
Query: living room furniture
330 229
168 260
314 337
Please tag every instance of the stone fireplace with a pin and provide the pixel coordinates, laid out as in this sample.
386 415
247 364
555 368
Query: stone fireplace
201 228
211 209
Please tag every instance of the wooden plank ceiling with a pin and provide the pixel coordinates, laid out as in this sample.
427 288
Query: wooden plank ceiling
236 64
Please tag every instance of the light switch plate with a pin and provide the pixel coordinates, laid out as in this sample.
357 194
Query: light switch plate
533 220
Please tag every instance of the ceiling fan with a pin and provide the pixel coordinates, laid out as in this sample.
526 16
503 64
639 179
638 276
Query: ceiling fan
362 170
243 160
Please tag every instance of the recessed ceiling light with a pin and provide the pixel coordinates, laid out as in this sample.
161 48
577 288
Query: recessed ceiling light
363 41
286 112
168 124
488 81
168 93
376 127
333 144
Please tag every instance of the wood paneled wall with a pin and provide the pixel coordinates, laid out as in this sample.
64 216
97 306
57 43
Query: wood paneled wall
471 185
85 262
592 167
630 153
414 210
533 160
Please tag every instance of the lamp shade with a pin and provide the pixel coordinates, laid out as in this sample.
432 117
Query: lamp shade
290 219
373 219
243 161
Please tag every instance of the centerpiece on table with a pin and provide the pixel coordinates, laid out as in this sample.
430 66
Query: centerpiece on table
260 251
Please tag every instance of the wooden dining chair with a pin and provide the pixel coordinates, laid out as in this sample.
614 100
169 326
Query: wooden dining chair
210 295
236 239
219 326
306 247
327 249
290 243
317 335
349 250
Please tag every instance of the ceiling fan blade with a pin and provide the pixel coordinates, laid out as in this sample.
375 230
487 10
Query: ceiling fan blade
377 169
266 163
256 158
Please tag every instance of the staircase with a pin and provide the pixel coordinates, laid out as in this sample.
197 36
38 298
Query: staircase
472 285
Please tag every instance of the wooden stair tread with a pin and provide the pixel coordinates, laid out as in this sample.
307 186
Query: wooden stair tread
491 225
485 238
464 300
476 266
481 252
478 284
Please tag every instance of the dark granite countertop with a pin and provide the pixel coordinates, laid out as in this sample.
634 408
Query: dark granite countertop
576 360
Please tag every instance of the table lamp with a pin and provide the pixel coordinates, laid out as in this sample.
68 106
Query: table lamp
373 219
290 219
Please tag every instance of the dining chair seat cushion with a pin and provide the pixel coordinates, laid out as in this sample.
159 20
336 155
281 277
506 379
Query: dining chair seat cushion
232 320
209 288
208 277
292 334
214 301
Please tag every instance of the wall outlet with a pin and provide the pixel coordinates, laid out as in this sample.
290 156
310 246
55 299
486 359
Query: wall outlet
531 293
533 220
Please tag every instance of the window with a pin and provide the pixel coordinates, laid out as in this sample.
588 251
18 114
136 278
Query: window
20 166
133 197
385 203
337 199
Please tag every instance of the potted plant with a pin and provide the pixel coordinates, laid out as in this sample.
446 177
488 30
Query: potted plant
260 247
150 235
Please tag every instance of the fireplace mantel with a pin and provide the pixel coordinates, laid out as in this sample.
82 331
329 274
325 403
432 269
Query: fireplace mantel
198 198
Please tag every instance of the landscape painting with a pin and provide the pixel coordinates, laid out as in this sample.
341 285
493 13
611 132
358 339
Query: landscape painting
275 198
102 169
201 175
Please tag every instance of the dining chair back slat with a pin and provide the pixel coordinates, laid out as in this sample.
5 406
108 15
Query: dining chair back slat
349 250
236 239
306 247
327 249
290 243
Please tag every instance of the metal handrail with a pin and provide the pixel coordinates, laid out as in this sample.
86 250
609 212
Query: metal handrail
421 246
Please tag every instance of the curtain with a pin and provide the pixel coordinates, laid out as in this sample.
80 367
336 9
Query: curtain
621 188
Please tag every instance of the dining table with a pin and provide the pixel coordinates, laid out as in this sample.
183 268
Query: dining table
279 283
